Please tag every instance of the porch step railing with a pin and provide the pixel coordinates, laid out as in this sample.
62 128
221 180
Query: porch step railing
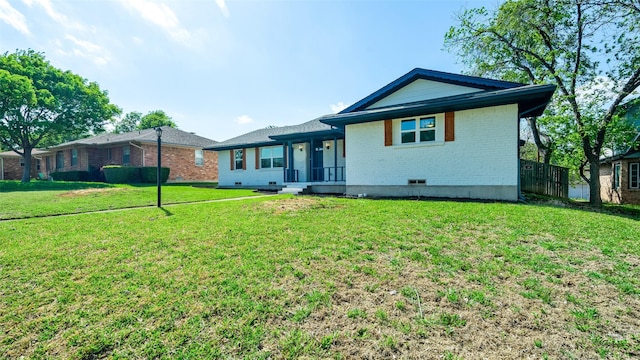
291 175
330 173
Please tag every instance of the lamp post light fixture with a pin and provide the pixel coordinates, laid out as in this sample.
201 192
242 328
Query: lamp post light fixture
159 177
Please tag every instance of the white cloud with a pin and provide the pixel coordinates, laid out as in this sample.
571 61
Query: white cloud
223 7
336 108
163 16
137 40
243 120
13 17
85 49
55 15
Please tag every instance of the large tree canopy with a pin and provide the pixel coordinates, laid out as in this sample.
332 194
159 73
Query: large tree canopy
155 119
38 101
589 48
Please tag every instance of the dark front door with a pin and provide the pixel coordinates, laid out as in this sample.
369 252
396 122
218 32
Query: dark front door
318 169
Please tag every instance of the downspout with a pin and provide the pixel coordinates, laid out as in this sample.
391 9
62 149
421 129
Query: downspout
139 147
1 168
520 196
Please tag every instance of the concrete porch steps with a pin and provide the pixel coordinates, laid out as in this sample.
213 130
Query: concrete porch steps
293 189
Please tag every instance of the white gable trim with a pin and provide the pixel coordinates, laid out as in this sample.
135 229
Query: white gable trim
421 89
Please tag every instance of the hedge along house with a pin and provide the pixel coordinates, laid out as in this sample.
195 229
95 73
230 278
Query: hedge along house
311 153
182 153
12 164
427 133
620 176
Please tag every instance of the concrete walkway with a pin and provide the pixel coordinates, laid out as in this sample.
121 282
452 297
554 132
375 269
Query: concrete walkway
142 207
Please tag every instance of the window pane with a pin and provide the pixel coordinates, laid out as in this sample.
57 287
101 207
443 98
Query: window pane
408 137
408 125
238 155
199 157
278 162
428 123
277 152
265 153
634 175
427 135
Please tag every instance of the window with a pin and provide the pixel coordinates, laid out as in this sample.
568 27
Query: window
126 152
59 160
423 132
74 157
616 176
199 158
108 154
38 164
21 162
271 157
237 155
634 175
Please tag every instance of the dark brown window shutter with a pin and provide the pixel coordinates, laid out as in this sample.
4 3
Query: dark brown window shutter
244 159
232 157
449 126
257 158
388 133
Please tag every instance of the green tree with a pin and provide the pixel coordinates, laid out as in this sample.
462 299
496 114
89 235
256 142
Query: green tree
590 49
155 119
129 122
39 101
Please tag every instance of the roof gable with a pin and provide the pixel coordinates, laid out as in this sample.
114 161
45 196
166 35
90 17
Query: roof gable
422 84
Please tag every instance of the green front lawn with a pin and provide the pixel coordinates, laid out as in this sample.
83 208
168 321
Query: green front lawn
291 277
42 198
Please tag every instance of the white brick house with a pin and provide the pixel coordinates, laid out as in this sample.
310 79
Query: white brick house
427 133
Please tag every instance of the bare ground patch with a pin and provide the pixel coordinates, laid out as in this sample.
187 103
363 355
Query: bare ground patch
86 192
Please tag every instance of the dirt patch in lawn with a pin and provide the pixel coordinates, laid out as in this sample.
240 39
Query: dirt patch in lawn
293 204
86 192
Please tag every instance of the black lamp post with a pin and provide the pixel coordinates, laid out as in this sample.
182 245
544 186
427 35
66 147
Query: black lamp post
159 135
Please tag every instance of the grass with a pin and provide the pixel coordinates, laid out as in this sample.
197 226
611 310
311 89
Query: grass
44 198
290 277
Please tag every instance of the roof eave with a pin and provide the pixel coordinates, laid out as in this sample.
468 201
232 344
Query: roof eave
535 98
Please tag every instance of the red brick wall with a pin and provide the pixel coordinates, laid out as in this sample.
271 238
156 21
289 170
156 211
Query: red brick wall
13 171
182 162
622 195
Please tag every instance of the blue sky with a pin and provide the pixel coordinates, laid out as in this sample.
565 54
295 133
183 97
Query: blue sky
221 68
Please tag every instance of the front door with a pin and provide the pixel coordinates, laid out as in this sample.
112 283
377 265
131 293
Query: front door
317 172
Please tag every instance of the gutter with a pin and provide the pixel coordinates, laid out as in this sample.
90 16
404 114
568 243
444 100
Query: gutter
139 147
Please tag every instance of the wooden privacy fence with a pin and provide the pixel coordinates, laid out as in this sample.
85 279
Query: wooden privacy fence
544 179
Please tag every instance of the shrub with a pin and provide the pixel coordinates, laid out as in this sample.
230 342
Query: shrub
121 174
149 174
133 174
70 176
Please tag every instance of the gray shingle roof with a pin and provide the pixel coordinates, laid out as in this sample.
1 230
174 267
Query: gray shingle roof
262 137
11 153
170 136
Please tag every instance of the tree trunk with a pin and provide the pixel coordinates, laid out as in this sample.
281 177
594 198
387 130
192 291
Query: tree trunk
594 182
544 149
26 171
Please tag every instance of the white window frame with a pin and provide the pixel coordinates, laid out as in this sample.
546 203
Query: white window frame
268 158
199 157
126 151
617 169
430 125
634 172
74 157
237 159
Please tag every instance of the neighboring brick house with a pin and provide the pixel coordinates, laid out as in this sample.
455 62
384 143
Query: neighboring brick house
12 164
620 176
181 152
427 133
